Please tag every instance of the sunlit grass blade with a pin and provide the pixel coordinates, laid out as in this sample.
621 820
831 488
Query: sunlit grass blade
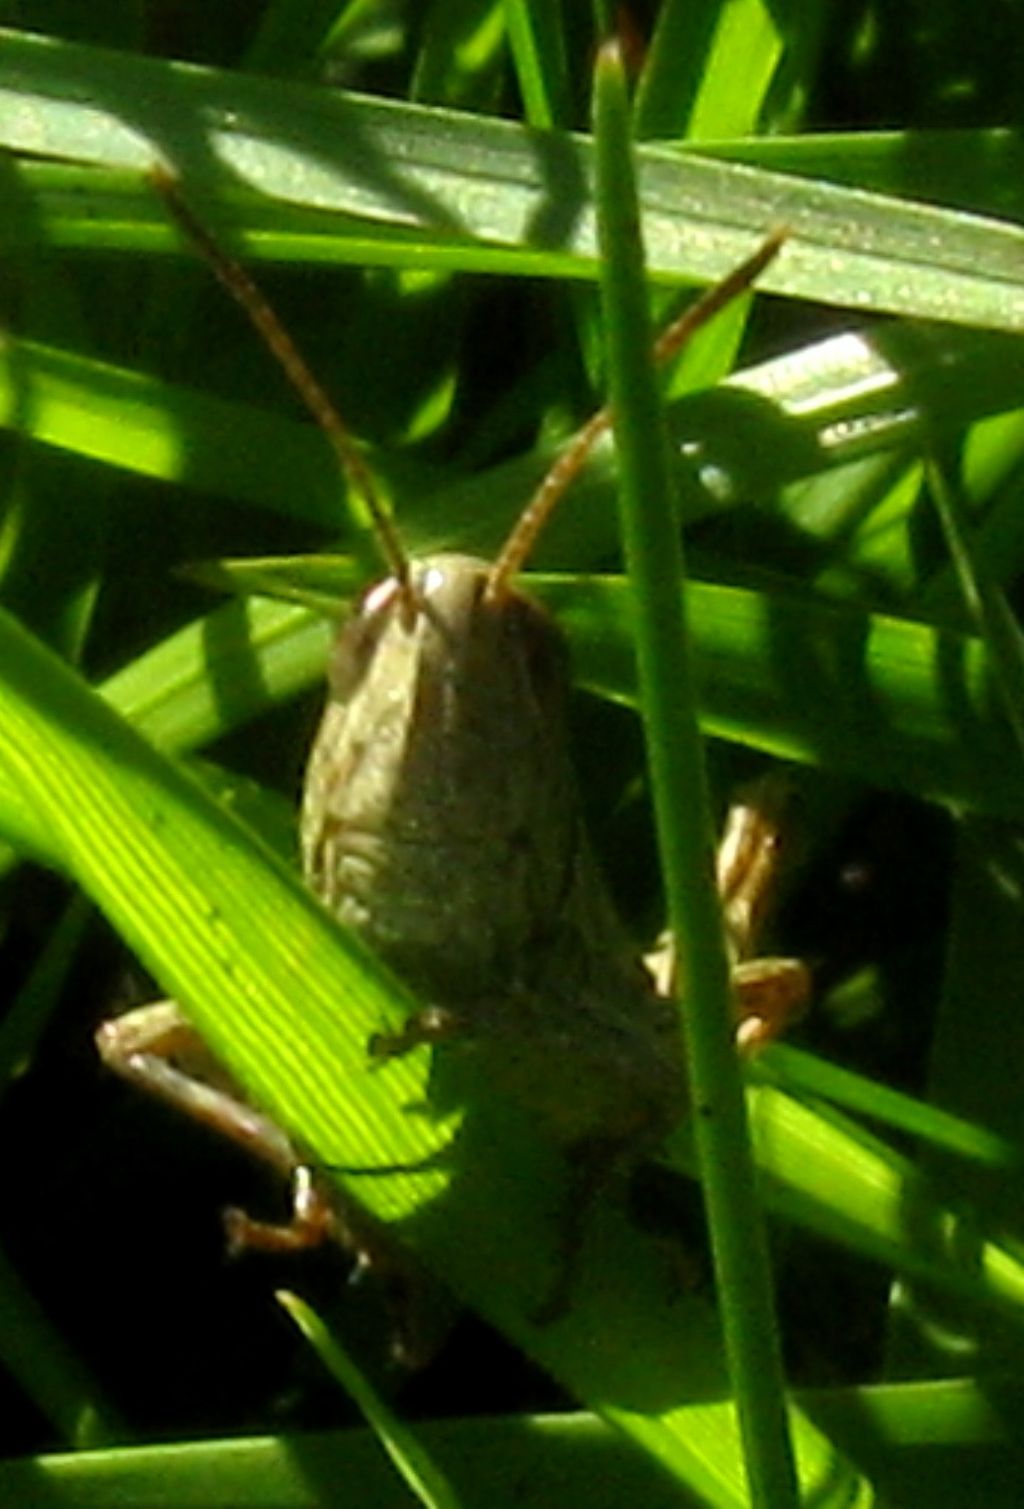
803 1074
560 1457
884 699
230 932
221 924
820 406
729 75
537 42
483 180
978 169
227 930
154 429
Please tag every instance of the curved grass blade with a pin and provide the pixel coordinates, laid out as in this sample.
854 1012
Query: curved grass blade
229 932
225 927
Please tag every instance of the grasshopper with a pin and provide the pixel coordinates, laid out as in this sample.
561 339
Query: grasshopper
440 819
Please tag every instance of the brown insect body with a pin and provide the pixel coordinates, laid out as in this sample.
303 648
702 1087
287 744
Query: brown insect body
441 820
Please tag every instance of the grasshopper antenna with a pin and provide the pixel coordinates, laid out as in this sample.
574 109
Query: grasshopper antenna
571 460
245 292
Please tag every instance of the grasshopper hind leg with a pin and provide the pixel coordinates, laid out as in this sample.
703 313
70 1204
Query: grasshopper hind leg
155 1048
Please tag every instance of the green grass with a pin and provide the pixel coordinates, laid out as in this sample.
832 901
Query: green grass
437 260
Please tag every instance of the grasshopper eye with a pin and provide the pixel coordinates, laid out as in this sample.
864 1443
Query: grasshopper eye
358 639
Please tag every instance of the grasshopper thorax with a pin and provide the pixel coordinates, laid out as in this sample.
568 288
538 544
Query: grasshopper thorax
439 815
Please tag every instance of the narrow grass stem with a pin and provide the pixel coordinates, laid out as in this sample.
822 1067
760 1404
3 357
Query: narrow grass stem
679 784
